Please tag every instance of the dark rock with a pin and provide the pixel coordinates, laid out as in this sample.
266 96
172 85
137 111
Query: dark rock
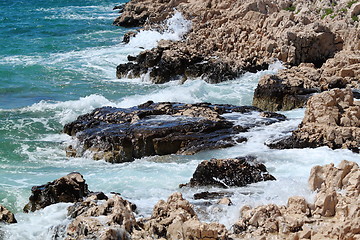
212 195
229 172
70 188
6 216
120 135
164 65
127 37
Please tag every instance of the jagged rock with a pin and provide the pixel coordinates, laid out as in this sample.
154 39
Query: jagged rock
176 219
288 89
6 216
112 218
331 119
333 216
120 135
70 188
165 64
229 172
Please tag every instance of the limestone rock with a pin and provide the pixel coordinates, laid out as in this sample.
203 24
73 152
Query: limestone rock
331 119
70 188
334 215
229 172
6 216
176 219
228 38
111 218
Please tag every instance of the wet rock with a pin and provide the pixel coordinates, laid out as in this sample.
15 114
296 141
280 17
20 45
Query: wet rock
111 218
164 64
229 172
121 135
176 219
127 37
6 216
70 188
210 195
331 119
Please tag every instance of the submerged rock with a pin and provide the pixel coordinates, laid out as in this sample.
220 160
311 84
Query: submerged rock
70 188
237 172
331 119
121 135
6 216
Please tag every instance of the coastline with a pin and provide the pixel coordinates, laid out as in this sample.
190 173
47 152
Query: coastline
336 80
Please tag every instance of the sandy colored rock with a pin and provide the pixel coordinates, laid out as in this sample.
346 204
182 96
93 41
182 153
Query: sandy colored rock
248 35
107 219
334 215
176 219
332 119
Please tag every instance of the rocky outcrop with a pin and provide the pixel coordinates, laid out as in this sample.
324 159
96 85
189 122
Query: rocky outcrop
237 172
288 89
99 217
121 135
70 188
176 219
291 88
331 119
246 35
334 215
6 216
167 62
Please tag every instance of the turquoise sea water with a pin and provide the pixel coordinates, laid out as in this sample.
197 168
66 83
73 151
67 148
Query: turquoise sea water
58 60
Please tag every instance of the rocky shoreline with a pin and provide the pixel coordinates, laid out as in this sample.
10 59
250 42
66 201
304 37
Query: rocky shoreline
317 41
333 215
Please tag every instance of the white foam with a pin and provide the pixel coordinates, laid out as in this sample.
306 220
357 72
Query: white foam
38 225
175 28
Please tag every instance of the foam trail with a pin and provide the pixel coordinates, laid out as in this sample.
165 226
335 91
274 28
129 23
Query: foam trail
175 28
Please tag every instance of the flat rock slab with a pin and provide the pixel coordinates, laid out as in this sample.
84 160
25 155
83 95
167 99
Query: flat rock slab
123 134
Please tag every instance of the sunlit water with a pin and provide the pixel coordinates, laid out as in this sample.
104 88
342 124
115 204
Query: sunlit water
58 61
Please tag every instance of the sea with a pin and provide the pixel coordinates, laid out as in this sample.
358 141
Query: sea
58 60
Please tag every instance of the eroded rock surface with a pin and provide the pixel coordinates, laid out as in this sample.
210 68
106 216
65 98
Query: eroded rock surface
291 88
236 172
333 216
244 35
6 216
70 188
120 135
176 219
331 119
101 218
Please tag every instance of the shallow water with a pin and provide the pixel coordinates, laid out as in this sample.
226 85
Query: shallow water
58 61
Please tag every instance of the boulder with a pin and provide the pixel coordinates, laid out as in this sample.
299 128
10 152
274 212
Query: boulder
236 172
70 188
6 216
99 217
176 219
121 135
331 119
